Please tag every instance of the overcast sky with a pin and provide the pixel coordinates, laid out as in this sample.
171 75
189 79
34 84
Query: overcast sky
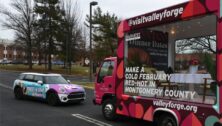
121 8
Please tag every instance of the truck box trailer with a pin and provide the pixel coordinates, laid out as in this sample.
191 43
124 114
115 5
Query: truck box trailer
168 67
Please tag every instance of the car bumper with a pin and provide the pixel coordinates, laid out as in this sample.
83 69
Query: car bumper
64 98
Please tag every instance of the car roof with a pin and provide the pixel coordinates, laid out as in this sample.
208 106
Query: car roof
41 74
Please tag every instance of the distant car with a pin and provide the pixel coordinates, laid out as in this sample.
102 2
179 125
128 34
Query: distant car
4 61
58 62
17 62
51 87
35 62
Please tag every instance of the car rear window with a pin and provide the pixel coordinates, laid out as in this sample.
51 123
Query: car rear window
29 77
38 78
21 76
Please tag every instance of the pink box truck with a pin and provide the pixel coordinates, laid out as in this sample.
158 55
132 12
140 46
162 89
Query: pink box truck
168 67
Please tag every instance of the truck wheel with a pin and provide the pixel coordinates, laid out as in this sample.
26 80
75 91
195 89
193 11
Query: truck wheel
109 110
52 99
18 93
167 120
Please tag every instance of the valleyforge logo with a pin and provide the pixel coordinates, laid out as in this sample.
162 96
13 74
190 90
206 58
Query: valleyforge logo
156 16
131 37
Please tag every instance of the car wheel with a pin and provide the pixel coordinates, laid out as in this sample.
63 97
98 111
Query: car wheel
18 93
167 120
52 99
109 110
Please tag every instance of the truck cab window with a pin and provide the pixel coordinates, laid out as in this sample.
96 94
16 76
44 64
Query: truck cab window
106 70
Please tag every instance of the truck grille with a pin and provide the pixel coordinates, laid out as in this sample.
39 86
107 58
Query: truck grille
74 95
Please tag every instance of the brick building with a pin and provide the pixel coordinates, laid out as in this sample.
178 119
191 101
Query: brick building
11 52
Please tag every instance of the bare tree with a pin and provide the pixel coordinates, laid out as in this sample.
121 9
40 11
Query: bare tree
21 22
72 30
200 44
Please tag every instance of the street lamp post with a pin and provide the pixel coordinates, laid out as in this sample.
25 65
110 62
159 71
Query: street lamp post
93 3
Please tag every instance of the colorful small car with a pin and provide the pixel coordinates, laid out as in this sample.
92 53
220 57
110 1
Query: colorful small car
51 87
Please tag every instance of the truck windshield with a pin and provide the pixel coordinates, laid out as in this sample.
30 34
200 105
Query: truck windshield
106 70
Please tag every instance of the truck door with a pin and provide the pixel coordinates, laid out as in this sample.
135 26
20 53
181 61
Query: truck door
106 79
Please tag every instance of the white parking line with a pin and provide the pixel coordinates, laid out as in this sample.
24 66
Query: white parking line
91 120
4 86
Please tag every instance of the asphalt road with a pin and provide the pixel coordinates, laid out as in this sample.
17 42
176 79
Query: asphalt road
37 113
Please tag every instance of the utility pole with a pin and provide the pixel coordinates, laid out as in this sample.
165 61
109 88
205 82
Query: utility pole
93 3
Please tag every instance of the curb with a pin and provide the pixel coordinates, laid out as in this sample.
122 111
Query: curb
12 71
92 88
16 71
83 85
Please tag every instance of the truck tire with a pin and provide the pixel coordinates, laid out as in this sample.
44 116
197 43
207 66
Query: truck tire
167 120
109 109
18 93
52 99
